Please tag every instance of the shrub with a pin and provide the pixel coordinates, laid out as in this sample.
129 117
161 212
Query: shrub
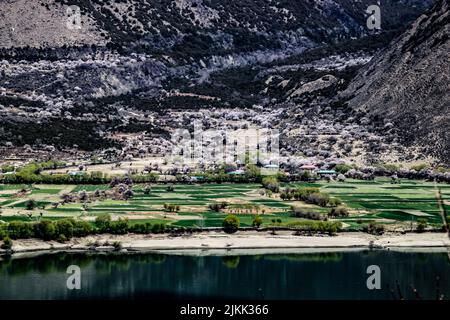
61 238
158 228
303 193
374 228
320 199
231 224
7 243
214 207
420 167
171 207
316 226
334 202
421 225
128 194
305 213
103 222
30 204
119 227
141 228
3 231
45 230
342 168
147 189
65 227
81 228
271 183
340 211
257 221
20 230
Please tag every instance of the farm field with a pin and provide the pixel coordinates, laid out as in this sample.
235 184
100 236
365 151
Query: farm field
395 205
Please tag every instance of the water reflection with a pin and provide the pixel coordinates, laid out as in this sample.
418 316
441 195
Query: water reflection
335 275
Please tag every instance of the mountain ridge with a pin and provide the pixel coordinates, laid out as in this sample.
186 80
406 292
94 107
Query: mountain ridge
408 84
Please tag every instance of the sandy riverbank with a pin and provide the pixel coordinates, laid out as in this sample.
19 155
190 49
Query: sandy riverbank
239 241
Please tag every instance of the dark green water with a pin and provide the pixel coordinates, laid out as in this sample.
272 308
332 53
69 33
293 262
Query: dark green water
283 276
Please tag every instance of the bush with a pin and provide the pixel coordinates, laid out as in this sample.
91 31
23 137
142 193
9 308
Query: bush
30 204
214 207
342 168
271 183
421 225
7 243
119 227
64 227
420 167
305 213
81 228
20 230
320 199
286 195
141 228
103 222
171 207
340 211
334 202
324 227
45 230
374 228
61 238
158 228
147 189
257 221
231 224
303 193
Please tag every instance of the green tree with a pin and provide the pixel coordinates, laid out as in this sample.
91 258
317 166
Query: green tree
30 204
103 222
20 230
257 221
7 243
342 168
421 225
65 227
45 230
231 224
271 183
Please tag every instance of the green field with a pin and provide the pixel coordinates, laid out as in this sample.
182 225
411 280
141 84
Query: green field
379 200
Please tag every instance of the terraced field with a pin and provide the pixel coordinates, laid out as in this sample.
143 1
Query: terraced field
397 205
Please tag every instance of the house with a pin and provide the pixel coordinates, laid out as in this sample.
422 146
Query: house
308 167
237 172
326 172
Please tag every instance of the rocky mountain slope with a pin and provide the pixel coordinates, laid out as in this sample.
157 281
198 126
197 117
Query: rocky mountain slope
406 88
186 27
151 66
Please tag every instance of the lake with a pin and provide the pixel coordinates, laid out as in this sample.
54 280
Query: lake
333 275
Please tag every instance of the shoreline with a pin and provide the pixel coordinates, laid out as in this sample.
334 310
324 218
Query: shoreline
206 243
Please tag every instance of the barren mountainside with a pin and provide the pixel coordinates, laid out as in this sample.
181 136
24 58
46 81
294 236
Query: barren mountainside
408 84
147 67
